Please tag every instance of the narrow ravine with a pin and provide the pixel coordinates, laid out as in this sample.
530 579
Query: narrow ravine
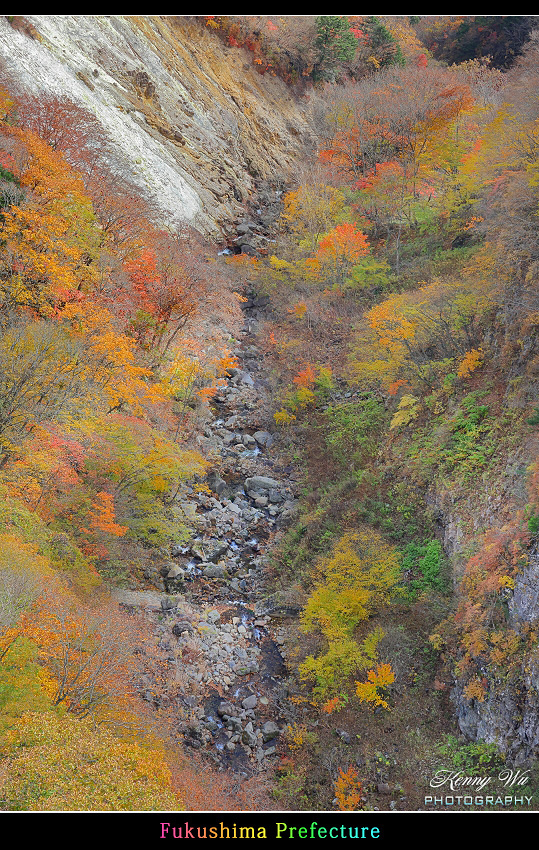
222 637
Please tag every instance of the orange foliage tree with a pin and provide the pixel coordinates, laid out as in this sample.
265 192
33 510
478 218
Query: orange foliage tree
93 655
166 292
340 250
51 237
349 790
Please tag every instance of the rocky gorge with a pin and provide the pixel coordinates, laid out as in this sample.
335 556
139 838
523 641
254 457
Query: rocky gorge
222 634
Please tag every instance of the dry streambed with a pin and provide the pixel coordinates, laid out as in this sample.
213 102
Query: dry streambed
221 635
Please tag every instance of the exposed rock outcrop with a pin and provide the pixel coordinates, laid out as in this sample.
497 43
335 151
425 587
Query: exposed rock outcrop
508 716
196 124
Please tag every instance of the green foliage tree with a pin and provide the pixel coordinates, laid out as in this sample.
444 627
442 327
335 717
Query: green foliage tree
336 44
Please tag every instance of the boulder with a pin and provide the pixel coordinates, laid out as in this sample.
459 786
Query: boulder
270 730
214 571
216 483
182 626
249 738
263 438
261 482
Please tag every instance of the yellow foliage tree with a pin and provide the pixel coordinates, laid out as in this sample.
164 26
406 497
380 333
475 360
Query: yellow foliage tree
355 581
471 361
310 211
52 236
369 691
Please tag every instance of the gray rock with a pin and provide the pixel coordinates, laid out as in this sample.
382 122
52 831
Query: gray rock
213 616
249 738
270 730
261 482
180 627
210 550
214 571
524 602
169 602
247 379
140 599
263 438
217 484
235 724
344 735
249 702
244 669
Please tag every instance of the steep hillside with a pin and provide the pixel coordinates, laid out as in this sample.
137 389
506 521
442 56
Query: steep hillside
269 364
193 123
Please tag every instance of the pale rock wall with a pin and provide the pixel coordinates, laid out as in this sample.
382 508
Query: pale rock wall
194 123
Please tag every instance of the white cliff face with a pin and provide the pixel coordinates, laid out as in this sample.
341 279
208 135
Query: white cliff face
51 66
193 122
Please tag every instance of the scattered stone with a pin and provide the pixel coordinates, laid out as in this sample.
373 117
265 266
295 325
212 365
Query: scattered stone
344 736
261 482
213 616
270 730
182 626
168 603
263 438
214 571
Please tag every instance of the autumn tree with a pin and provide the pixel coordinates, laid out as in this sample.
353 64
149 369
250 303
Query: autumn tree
349 790
141 469
166 293
355 581
52 369
311 210
457 38
51 236
400 115
91 653
126 219
23 574
339 251
67 127
418 336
